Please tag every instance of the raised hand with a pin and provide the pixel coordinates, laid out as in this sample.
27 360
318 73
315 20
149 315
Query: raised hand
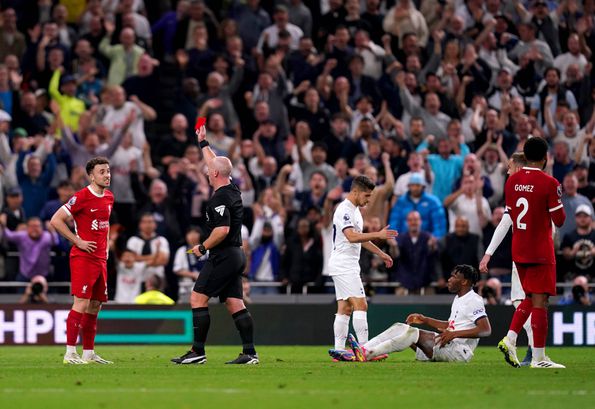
201 133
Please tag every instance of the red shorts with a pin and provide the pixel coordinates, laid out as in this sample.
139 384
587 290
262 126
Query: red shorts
537 278
88 278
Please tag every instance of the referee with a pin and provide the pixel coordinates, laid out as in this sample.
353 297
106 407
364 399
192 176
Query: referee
222 274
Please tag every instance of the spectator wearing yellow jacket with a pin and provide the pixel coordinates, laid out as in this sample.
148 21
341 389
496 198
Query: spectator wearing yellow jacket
71 107
153 295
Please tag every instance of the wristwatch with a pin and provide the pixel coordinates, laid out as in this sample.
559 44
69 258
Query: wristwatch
202 250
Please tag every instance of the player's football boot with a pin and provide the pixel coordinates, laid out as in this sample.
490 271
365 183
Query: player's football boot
358 350
546 363
73 359
528 357
342 355
245 359
509 351
190 357
96 359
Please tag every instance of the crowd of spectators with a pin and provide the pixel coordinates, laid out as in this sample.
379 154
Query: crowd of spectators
428 98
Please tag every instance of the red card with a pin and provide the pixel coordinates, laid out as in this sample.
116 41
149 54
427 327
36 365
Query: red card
200 121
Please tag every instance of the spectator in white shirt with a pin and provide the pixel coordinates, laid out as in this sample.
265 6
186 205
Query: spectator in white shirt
130 274
149 247
270 35
187 266
572 56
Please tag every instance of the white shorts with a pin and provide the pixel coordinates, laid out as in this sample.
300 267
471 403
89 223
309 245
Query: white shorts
452 352
348 286
516 288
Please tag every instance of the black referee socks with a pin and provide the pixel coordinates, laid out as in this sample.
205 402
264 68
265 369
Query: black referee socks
201 321
245 326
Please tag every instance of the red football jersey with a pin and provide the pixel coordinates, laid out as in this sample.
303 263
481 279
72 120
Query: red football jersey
533 200
91 214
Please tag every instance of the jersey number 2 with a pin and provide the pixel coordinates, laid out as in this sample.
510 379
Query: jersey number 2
525 204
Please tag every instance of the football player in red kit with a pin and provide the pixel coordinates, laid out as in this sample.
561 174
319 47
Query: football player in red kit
533 200
90 208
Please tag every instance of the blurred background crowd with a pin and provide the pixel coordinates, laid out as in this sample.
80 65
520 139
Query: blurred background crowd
428 98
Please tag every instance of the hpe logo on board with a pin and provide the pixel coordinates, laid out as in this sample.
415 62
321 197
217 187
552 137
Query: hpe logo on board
27 325
581 327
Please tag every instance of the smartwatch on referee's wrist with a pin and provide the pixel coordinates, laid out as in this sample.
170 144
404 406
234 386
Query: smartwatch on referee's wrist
202 250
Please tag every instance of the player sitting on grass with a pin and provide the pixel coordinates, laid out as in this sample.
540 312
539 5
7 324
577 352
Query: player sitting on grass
457 337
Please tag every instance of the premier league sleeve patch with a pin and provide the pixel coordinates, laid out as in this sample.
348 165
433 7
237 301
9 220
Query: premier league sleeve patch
346 217
72 201
559 190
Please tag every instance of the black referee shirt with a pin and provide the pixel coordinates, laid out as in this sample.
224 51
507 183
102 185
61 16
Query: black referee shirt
226 209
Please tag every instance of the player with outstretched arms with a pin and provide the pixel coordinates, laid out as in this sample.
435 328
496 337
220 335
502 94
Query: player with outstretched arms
517 295
533 201
90 208
455 340
344 268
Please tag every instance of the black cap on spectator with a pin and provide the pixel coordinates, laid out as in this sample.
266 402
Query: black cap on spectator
14 191
538 3
66 79
581 165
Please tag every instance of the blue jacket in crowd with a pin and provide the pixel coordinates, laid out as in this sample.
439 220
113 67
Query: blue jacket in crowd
433 218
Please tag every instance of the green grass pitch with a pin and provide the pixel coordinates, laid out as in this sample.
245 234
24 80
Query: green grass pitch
288 377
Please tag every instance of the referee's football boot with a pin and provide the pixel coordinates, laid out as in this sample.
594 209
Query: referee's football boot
528 357
245 359
73 358
509 351
190 357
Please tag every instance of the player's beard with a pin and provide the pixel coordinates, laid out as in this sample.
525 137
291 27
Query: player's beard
103 185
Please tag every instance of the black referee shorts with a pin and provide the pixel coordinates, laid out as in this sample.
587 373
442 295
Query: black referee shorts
222 274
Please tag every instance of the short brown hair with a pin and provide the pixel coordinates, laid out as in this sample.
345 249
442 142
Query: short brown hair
100 160
518 158
362 183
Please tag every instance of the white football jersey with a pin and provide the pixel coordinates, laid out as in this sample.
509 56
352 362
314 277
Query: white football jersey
344 257
464 313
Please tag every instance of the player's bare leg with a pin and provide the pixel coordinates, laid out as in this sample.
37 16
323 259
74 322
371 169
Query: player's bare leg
72 331
89 330
539 324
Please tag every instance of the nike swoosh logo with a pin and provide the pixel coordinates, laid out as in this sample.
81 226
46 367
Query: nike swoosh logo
94 210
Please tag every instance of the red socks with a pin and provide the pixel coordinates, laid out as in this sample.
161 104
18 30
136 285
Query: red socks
539 326
88 329
521 315
72 327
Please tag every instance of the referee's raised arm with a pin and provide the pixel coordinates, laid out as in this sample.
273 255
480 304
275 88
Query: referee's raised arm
201 134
